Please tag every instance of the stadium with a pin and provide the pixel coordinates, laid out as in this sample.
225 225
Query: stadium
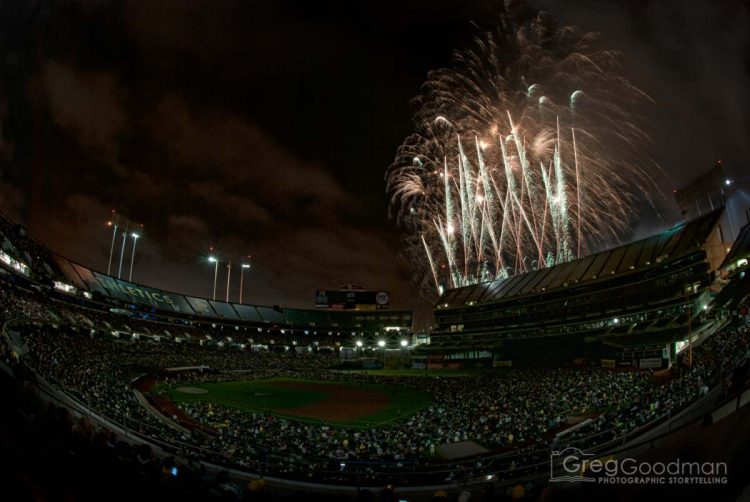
540 323
269 393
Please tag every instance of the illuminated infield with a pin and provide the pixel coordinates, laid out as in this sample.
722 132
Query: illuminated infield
335 402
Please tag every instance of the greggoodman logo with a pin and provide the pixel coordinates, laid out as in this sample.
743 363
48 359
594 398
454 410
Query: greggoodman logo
574 465
571 460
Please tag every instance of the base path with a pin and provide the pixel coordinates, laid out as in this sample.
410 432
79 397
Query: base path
167 408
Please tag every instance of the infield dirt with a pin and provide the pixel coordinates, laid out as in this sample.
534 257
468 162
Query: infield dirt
342 403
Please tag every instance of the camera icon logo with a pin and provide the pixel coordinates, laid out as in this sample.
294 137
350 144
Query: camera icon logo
569 465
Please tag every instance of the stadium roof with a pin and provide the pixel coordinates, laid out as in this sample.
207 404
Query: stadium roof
169 303
678 240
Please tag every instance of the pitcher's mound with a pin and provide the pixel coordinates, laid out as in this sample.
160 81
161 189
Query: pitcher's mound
191 390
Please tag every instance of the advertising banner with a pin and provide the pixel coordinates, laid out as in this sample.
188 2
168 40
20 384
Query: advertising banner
134 293
650 362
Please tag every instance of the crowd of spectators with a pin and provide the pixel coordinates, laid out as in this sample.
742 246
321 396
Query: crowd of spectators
49 453
516 413
519 411
19 303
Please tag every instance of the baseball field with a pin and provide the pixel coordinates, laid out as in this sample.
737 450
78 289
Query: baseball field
333 402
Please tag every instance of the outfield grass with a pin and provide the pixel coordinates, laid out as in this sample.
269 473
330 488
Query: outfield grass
416 372
265 396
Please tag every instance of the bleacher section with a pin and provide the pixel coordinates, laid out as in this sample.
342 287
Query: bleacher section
651 292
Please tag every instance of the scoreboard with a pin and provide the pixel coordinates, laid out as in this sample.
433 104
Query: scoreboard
352 300
703 193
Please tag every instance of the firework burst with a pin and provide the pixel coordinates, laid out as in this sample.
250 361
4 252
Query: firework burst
525 153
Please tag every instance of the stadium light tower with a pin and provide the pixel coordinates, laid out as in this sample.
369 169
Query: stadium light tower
242 277
215 261
135 236
725 201
122 250
112 223
229 274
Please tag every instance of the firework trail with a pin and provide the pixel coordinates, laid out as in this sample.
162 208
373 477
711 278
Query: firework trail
525 154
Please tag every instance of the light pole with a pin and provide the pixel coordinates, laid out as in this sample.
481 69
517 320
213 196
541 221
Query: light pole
724 200
132 256
112 223
122 250
215 261
229 274
242 277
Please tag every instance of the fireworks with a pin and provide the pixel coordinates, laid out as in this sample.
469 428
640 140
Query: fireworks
525 153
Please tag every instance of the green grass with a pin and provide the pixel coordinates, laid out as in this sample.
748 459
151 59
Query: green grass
265 396
417 372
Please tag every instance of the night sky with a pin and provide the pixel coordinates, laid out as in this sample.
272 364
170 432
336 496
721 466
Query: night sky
265 128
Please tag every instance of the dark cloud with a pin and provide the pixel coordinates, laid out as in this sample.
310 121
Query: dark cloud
238 207
87 105
197 175
247 195
264 128
223 146
12 200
